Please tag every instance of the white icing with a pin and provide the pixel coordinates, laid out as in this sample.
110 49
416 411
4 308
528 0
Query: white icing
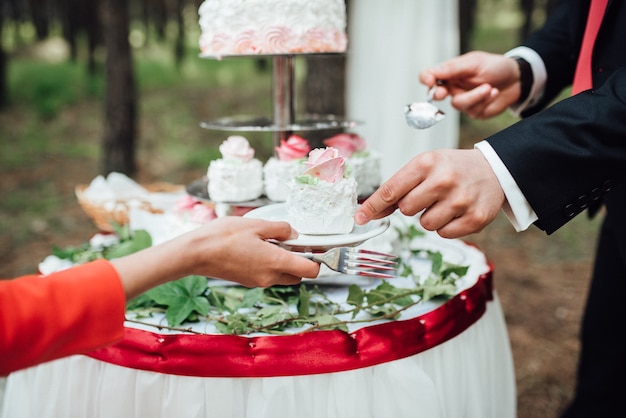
322 209
366 171
276 175
245 27
234 180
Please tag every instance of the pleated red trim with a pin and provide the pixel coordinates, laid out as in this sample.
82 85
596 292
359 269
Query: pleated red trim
299 354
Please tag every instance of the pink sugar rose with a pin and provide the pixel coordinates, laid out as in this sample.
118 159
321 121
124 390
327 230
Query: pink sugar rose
197 211
346 143
185 203
294 148
201 214
325 164
237 147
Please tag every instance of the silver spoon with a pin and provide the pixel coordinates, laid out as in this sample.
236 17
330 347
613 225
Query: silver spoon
422 115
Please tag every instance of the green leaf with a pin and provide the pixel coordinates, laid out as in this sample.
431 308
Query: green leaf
139 241
355 295
453 270
437 262
233 297
385 310
304 302
141 301
182 309
216 298
269 315
330 322
182 298
252 297
439 290
307 179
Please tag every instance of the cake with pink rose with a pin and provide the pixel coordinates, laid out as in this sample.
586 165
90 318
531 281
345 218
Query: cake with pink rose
362 163
287 164
237 176
322 200
253 27
190 213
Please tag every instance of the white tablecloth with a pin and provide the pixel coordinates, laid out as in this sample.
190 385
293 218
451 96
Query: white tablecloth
469 375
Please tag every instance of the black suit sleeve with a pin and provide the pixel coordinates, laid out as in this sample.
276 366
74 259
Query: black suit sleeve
558 43
569 155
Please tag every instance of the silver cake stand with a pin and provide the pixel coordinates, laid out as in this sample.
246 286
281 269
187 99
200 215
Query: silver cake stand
284 121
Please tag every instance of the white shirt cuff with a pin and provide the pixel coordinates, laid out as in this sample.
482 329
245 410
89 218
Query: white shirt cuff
539 77
516 207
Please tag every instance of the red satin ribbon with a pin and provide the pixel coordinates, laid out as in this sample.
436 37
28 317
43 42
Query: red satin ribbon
299 354
583 76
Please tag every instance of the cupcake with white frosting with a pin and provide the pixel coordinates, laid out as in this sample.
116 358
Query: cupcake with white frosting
237 176
362 163
322 200
287 164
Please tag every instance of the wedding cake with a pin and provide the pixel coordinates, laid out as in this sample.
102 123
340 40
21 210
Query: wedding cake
251 27
287 164
321 200
362 163
237 176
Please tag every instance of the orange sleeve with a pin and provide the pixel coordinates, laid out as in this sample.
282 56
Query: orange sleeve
69 312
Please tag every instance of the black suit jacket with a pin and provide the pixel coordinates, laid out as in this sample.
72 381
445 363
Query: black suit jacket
571 154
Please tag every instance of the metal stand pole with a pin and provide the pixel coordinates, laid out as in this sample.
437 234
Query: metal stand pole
283 86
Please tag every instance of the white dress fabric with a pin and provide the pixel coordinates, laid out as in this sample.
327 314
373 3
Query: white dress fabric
390 43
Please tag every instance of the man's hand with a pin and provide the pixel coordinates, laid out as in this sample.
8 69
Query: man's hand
457 190
480 84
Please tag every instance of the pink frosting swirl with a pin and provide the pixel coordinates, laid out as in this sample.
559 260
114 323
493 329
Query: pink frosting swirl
246 43
217 44
276 39
346 143
237 147
295 147
326 164
315 39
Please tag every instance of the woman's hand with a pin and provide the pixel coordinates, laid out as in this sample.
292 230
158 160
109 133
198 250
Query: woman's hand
230 248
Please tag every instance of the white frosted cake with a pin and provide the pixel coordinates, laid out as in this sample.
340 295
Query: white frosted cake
321 200
189 213
362 163
250 27
287 164
237 176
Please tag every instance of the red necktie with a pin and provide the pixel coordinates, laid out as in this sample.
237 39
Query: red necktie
582 77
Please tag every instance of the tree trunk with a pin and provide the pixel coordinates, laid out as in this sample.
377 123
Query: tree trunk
528 7
467 19
120 100
324 92
179 46
40 17
4 99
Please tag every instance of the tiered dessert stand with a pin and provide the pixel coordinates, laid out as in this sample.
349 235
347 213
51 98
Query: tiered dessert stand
284 121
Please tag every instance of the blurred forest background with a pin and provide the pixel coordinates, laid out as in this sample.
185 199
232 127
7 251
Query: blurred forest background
90 87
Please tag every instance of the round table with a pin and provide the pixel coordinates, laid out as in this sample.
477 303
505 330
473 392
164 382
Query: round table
440 359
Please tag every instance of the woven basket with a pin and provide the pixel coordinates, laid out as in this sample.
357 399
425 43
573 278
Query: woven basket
104 215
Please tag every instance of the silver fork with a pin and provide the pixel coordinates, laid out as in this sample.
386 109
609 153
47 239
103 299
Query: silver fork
357 261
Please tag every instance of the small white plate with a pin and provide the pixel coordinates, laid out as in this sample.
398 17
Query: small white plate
319 243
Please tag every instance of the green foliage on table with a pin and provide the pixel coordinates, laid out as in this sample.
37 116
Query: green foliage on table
129 242
239 310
